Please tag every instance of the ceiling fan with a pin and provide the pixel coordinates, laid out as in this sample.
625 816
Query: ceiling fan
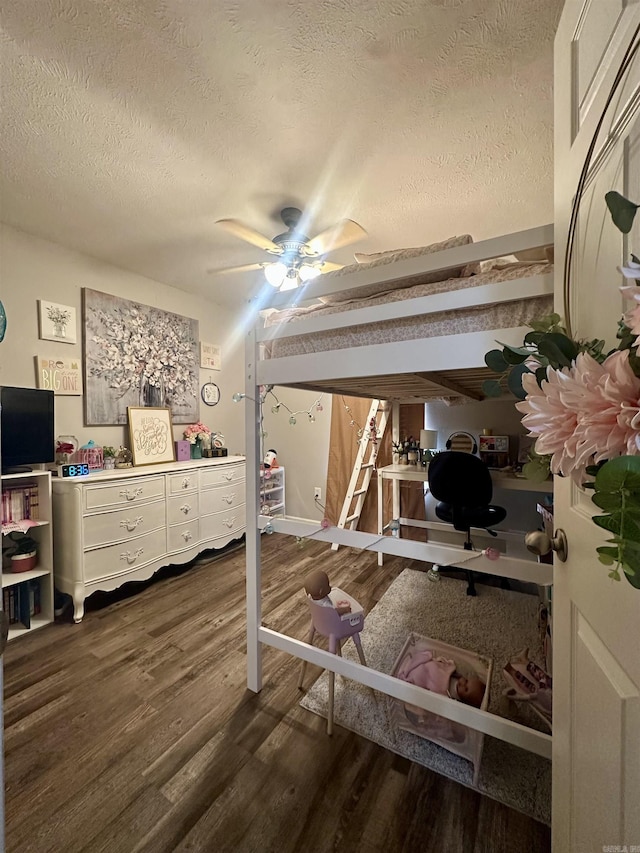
299 259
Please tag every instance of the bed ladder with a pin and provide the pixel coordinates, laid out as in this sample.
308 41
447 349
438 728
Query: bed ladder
362 471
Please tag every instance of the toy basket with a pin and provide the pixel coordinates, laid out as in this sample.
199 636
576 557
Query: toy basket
457 738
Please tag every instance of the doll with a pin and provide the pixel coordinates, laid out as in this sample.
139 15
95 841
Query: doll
317 587
439 675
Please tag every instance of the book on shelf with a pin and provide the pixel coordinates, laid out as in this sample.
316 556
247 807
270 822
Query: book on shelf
20 503
21 602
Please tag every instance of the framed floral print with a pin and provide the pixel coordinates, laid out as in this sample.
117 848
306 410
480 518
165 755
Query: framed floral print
137 355
57 322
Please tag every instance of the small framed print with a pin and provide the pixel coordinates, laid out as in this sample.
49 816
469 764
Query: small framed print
151 435
210 356
60 375
57 322
210 394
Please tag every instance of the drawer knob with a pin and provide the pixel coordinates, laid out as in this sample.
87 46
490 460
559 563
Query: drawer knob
131 494
185 482
187 535
185 508
229 522
131 524
131 557
229 499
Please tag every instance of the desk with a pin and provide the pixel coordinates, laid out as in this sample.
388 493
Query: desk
416 473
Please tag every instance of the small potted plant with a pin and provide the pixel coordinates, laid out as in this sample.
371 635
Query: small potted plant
24 554
109 456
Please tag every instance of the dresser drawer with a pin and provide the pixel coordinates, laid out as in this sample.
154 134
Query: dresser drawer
181 483
222 497
183 536
124 556
221 475
123 524
222 523
123 493
182 508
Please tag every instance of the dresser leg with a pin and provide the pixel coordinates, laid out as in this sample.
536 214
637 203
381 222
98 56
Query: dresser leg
78 602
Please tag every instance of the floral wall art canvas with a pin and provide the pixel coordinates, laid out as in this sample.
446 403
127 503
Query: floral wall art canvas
137 355
57 322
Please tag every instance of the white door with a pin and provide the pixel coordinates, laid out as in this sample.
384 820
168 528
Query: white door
596 621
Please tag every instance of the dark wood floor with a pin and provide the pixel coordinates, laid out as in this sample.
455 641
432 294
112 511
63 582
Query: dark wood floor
134 731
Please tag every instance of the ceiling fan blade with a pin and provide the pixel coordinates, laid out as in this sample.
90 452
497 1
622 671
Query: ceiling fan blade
239 229
329 266
341 234
242 268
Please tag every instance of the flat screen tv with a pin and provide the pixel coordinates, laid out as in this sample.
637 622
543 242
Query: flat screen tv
26 427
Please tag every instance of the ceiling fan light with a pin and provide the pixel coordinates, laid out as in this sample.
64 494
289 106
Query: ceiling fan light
307 272
275 273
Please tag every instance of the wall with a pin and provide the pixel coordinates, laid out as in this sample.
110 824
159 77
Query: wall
302 448
35 269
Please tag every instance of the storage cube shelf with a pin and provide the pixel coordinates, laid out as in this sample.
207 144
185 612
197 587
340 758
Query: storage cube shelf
28 596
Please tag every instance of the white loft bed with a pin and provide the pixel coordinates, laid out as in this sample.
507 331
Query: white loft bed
449 366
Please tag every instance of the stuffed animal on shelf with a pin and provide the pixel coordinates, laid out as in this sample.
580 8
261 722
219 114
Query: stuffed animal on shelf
270 460
317 587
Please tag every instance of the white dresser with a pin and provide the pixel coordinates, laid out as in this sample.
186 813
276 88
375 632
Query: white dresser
118 526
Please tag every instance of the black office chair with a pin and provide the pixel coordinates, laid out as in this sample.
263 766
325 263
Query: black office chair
462 484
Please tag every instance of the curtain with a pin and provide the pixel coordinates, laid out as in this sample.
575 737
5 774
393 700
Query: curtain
348 415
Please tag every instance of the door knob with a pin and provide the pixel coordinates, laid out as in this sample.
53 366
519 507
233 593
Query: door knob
539 543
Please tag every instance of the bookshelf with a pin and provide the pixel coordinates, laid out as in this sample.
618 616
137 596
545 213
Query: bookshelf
27 597
272 491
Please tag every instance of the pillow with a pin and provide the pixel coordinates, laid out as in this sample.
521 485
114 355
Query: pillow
379 259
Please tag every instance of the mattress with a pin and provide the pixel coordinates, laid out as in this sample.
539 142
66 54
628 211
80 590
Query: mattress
500 315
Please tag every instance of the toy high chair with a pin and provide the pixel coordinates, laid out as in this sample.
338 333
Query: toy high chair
329 623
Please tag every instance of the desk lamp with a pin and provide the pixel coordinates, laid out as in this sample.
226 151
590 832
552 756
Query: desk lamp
428 444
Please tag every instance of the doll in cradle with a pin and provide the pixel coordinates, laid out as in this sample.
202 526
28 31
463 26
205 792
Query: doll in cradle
439 674
317 587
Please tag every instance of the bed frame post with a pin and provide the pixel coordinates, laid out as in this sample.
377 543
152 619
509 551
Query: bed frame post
253 579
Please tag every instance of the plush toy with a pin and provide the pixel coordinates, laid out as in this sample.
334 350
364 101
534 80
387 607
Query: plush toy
270 460
317 587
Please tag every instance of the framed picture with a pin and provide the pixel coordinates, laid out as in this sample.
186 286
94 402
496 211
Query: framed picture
150 435
137 355
57 322
60 375
210 356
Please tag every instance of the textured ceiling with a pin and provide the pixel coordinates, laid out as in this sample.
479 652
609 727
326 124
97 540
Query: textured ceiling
129 127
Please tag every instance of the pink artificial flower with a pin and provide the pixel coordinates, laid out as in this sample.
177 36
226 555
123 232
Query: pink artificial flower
546 417
583 414
608 408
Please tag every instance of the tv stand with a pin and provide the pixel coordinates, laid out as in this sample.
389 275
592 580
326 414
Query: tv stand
17 469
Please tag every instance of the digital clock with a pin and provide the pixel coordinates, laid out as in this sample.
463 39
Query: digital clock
80 469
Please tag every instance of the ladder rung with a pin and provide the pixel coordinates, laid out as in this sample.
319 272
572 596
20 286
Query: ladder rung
367 465
360 492
350 518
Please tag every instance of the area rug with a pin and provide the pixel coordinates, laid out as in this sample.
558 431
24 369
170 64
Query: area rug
497 623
